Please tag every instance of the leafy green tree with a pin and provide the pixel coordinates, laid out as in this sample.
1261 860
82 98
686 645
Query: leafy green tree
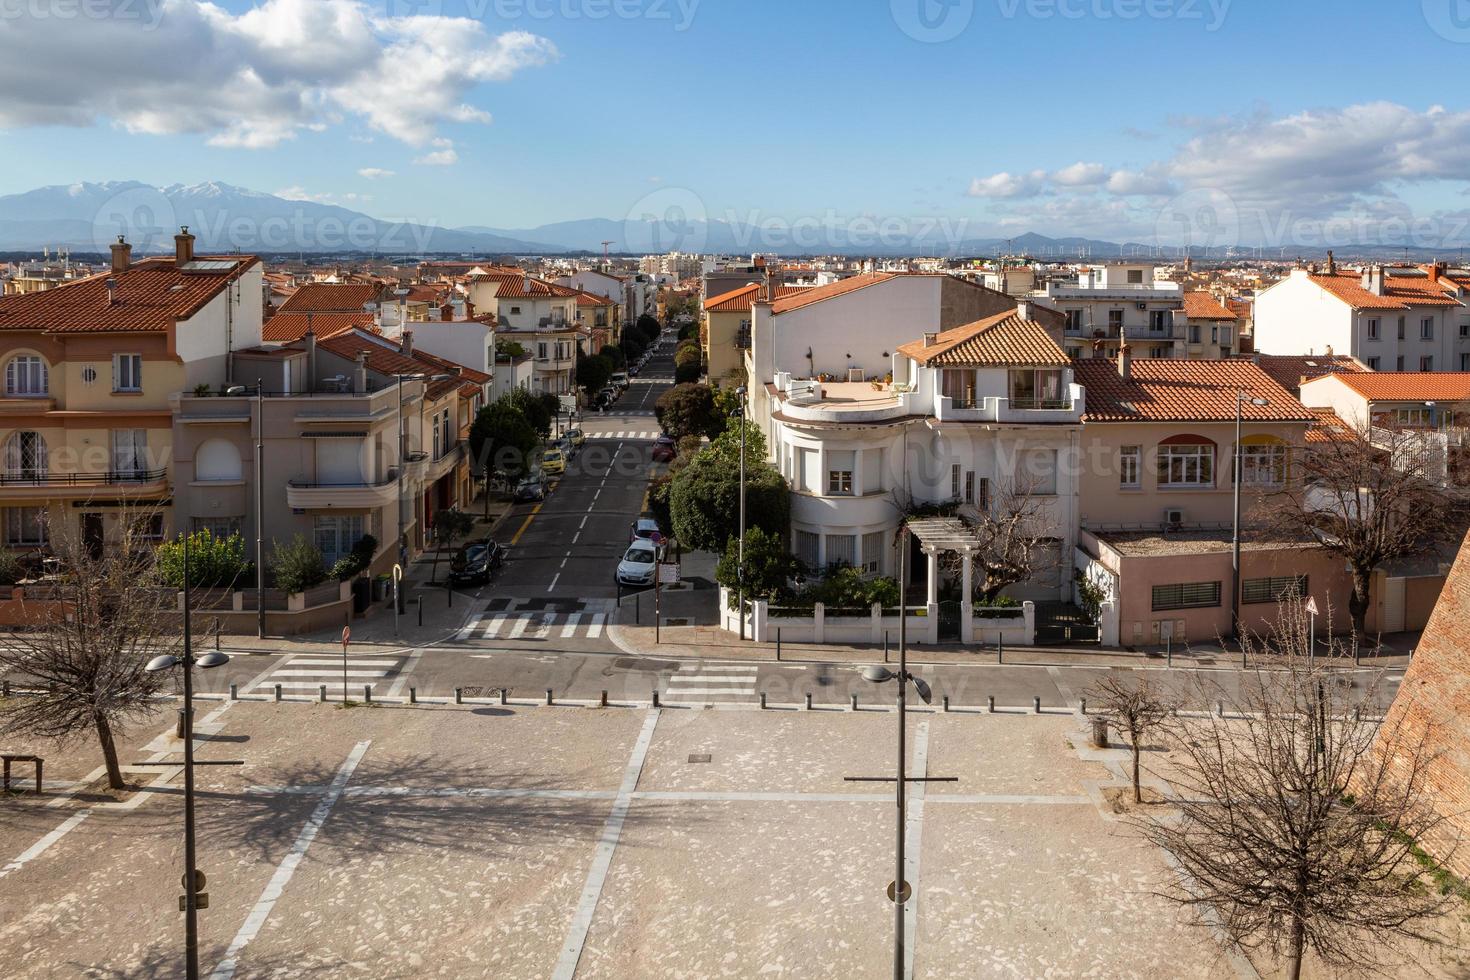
295 566
688 410
509 348
688 373
214 563
704 500
502 439
769 564
648 326
593 373
450 524
632 346
614 355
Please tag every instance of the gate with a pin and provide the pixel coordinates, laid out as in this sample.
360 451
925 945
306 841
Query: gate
1061 623
949 622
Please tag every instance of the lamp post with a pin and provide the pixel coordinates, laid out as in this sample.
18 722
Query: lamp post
403 455
188 661
740 539
1240 400
877 674
259 498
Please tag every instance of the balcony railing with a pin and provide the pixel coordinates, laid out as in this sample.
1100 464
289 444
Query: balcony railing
44 478
387 481
1036 403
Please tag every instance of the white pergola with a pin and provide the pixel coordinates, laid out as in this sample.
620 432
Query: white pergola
940 534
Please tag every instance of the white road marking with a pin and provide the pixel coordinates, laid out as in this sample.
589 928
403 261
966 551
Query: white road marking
595 630
913 836
543 628
329 662
40 847
584 520
408 666
492 629
520 627
552 586
571 950
282 877
330 673
570 629
469 626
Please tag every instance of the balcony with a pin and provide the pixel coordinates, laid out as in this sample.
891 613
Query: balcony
110 484
1032 411
304 495
444 464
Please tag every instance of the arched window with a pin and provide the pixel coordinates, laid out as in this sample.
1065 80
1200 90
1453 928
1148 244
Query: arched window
25 456
1187 461
217 461
26 376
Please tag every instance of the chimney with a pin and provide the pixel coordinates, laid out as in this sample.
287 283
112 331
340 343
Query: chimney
1023 310
446 312
122 255
183 246
1125 362
1373 279
309 339
469 310
405 343
359 374
111 291
1331 264
1434 270
930 339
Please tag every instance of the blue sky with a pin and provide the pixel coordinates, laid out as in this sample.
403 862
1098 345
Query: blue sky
796 109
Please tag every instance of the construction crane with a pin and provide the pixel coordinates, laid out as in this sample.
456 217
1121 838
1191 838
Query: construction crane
604 250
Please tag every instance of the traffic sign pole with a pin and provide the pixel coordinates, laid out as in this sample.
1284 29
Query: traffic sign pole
346 638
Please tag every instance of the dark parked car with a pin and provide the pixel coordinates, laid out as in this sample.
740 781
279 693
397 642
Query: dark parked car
531 488
664 449
476 562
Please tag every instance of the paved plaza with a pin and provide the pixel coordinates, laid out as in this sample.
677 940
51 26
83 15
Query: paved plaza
626 842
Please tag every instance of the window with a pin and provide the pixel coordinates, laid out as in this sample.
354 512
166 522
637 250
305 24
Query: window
1399 363
1373 329
1426 363
1415 418
1115 322
1402 321
1036 388
25 525
954 482
839 482
444 429
1214 335
1262 465
969 486
336 536
541 350
1135 277
1074 321
1194 333
129 452
25 456
959 387
1426 328
1187 466
1273 589
149 528
806 548
984 502
219 527
515 310
1465 329
841 551
873 553
1189 595
1158 320
1372 363
25 376
127 372
1130 466
840 465
1464 362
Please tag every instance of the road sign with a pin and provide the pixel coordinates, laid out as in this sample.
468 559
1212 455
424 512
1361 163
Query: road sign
199 880
907 892
201 901
668 573
1311 606
346 636
657 538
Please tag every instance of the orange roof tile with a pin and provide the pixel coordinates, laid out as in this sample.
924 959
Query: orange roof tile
385 357
1399 293
735 301
286 327
1327 427
1001 339
1413 386
816 294
518 285
592 299
149 296
1167 390
1199 305
1288 370
331 297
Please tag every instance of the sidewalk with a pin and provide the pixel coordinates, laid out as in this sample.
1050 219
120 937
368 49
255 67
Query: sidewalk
375 629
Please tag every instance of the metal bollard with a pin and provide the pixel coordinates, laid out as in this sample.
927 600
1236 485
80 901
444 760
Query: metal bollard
1083 705
946 703
808 702
1220 708
367 694
321 692
763 700
604 699
459 695
278 692
655 697
778 643
1358 713
990 704
1169 649
1000 650
5 689
1242 658
854 702
548 697
413 695
421 611
1036 706
505 695
885 646
234 692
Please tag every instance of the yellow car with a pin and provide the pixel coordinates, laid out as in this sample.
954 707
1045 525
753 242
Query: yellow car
553 463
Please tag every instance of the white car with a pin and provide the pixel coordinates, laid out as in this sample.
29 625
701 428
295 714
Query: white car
637 566
619 380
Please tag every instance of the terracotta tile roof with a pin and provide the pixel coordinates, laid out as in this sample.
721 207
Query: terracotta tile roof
1327 427
149 296
519 285
592 299
1001 339
816 294
1168 390
1199 305
1240 307
1399 293
785 290
735 301
1413 386
384 357
286 327
1288 370
331 297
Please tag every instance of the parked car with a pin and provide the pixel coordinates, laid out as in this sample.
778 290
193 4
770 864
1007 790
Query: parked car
476 562
664 450
643 529
637 566
576 438
531 488
606 397
553 462
568 450
619 380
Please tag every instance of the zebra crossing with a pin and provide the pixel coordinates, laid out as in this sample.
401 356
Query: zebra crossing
633 435
537 619
712 682
305 673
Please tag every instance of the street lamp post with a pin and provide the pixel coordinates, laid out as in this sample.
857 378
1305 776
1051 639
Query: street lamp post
1240 400
740 539
188 661
259 498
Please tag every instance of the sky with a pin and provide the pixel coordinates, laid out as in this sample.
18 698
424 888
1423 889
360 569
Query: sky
1262 121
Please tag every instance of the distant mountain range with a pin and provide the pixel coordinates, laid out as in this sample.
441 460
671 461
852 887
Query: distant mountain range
86 217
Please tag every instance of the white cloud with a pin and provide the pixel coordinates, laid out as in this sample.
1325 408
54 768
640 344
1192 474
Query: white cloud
1126 182
1081 174
257 78
443 156
375 173
1005 185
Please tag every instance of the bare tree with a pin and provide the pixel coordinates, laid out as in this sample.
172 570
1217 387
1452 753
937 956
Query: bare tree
1371 493
1015 537
86 661
1291 828
1135 709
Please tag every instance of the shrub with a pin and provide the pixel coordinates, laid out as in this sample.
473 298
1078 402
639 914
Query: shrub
297 566
12 568
214 563
847 588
